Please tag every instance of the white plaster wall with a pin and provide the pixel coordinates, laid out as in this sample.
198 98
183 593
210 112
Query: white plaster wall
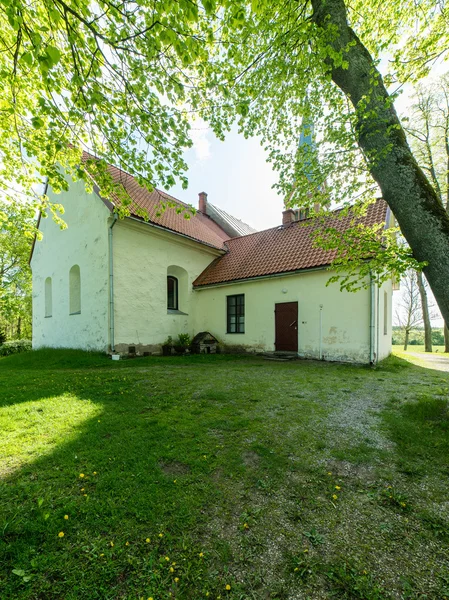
85 243
345 316
142 257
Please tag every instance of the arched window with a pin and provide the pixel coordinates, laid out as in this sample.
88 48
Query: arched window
172 292
48 297
75 290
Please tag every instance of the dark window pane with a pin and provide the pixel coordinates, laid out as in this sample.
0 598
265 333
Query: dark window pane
235 313
172 293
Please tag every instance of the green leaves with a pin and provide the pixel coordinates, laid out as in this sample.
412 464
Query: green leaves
37 122
53 55
115 84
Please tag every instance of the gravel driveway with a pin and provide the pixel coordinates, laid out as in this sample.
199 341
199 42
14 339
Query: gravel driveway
432 361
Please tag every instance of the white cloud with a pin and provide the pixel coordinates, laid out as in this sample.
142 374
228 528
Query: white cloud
201 143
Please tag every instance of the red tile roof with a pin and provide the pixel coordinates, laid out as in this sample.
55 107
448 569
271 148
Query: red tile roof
280 249
199 226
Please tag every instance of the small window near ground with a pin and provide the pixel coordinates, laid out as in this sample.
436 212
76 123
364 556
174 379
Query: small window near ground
235 312
385 313
172 293
75 290
48 298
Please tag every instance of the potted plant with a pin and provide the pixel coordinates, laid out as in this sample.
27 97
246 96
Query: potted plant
167 346
182 343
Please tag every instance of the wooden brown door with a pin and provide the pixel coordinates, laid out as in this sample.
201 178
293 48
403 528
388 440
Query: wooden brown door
286 326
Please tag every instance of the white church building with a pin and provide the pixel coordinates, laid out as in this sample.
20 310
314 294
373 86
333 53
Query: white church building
125 284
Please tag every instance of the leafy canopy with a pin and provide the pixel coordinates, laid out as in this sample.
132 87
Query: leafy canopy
122 79
106 76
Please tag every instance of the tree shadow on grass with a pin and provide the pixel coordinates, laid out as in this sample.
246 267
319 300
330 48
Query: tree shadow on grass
135 466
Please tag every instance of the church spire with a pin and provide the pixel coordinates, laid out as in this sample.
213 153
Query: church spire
306 150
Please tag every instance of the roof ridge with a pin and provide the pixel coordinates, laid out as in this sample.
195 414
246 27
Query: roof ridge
230 215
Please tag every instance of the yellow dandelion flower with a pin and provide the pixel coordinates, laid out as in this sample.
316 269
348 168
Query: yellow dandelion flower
84 494
111 544
102 554
296 569
161 535
127 544
167 558
207 593
329 473
173 563
245 526
82 490
148 540
334 496
172 570
81 475
403 504
174 480
94 472
66 517
176 579
150 598
337 487
201 555
306 549
365 572
228 587
61 534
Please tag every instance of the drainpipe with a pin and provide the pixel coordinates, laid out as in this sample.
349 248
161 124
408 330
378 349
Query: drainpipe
321 332
371 319
377 322
111 286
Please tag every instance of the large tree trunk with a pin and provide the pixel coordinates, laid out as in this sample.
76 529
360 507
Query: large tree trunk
425 312
419 213
446 338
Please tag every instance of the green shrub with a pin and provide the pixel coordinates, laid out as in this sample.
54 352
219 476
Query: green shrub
184 340
15 347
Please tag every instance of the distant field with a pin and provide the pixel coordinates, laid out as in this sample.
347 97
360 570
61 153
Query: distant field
400 348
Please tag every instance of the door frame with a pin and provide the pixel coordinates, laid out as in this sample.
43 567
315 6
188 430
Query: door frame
293 300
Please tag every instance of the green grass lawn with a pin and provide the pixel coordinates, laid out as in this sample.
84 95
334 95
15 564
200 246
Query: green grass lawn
222 477
399 348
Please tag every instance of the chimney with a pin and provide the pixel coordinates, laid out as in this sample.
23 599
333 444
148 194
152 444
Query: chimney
288 217
202 204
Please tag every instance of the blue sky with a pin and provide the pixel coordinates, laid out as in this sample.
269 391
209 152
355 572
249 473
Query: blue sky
235 175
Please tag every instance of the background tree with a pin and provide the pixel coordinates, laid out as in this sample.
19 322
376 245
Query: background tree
408 311
428 128
420 281
15 274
